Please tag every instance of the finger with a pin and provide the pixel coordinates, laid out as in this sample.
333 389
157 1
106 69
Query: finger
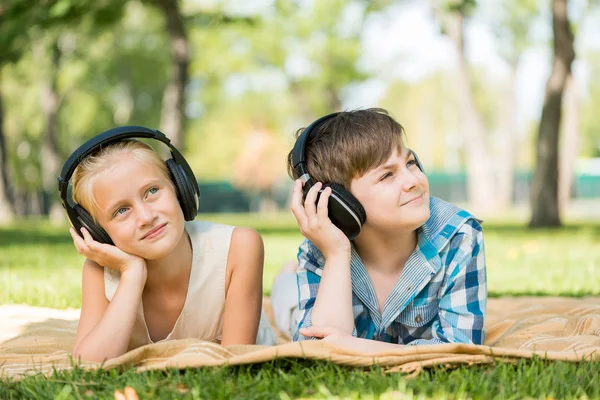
310 204
119 395
296 204
322 206
313 331
89 240
78 241
86 235
130 393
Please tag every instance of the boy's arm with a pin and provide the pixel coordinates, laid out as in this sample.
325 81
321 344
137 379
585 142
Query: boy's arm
325 294
333 304
463 301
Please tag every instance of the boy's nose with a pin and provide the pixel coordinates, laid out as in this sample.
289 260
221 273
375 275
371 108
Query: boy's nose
410 181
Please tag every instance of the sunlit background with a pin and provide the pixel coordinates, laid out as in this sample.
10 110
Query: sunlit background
231 81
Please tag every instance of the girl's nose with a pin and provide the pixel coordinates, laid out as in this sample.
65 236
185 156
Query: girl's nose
145 214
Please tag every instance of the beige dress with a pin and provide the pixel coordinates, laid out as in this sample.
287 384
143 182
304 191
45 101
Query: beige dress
204 307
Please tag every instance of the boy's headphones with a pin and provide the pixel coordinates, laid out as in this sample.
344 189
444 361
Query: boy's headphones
183 178
344 210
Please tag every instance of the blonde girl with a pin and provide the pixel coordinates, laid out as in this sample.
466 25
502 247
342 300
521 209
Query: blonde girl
150 275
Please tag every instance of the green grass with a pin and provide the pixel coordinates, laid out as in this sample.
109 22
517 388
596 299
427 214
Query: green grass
284 379
39 266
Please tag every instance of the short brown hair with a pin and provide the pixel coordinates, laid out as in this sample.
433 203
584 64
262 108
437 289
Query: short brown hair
349 145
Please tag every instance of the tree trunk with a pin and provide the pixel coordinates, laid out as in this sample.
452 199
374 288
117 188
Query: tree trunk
50 154
570 143
334 103
7 212
505 166
172 118
544 187
481 182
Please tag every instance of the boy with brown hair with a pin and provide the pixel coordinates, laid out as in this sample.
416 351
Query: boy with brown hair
382 259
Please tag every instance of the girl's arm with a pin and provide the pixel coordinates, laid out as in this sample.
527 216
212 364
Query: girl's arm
105 327
243 287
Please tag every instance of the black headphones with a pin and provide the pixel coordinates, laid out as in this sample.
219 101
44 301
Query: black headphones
183 178
344 210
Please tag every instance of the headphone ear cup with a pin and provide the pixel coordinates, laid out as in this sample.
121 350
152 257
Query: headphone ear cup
86 220
417 161
345 211
188 200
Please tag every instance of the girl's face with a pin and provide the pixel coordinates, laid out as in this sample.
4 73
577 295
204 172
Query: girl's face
138 208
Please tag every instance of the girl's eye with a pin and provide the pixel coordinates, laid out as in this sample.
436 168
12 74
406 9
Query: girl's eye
120 211
152 190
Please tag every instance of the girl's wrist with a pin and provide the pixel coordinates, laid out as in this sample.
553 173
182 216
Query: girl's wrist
136 271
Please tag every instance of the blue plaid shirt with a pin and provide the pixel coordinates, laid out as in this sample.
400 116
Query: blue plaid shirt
440 296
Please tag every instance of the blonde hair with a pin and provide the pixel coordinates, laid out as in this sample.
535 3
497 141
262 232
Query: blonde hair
97 163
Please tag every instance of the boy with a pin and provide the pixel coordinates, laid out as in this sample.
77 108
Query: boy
412 268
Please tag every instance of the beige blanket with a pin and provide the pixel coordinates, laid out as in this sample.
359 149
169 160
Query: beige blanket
555 328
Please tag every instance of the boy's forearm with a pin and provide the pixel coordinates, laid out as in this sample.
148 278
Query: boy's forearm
333 304
110 337
367 345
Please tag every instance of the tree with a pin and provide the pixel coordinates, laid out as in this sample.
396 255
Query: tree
317 38
482 186
173 106
6 206
544 187
510 20
18 20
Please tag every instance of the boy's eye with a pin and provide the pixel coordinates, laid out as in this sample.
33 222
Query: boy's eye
411 163
387 175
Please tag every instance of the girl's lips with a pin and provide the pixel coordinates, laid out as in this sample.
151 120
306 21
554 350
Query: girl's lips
155 232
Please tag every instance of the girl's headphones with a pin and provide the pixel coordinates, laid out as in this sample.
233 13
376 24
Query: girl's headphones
344 210
182 176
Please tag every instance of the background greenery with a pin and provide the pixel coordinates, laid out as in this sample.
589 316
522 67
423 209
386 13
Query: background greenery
40 266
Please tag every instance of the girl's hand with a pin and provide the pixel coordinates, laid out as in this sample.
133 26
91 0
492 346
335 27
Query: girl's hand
106 255
314 221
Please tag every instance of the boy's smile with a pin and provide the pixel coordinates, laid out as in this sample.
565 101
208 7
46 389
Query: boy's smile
394 195
416 200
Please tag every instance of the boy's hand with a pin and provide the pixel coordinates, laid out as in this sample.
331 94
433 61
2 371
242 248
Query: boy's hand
314 221
107 255
329 334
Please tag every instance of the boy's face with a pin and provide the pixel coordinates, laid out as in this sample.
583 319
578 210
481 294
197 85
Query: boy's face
395 195
138 208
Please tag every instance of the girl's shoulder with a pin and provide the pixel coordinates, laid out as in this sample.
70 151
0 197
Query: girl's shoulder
207 228
215 235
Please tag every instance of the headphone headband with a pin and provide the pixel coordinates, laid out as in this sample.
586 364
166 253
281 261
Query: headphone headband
115 135
299 150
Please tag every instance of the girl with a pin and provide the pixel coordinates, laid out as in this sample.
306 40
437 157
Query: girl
163 278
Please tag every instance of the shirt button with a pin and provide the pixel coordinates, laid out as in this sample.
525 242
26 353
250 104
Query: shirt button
418 319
